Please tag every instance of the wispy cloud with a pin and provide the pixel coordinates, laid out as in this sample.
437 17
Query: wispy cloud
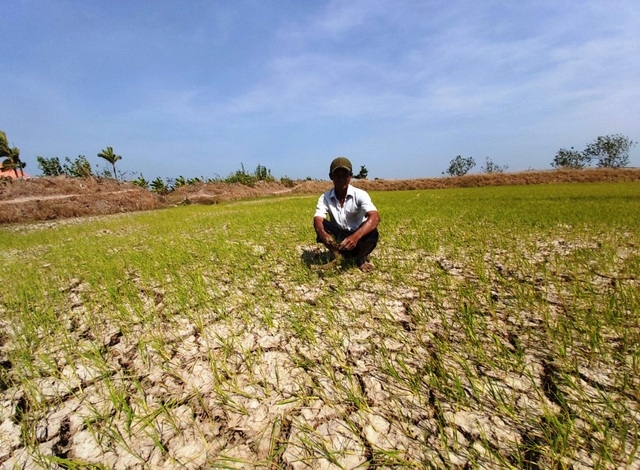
471 65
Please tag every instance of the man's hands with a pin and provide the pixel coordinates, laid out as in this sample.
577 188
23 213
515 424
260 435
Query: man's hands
329 241
349 243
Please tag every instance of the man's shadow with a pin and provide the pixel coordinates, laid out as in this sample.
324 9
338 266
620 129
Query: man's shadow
318 259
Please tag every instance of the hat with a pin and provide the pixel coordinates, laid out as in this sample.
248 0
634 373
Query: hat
340 162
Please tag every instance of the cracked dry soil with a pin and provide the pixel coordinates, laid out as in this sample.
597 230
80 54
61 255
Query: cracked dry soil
348 371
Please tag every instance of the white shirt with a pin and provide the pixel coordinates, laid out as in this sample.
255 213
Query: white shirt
350 215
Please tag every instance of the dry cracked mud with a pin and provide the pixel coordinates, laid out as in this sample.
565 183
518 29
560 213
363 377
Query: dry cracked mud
348 371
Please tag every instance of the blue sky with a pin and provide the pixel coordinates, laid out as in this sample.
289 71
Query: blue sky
199 87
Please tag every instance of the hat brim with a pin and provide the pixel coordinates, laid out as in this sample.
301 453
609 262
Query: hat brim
343 167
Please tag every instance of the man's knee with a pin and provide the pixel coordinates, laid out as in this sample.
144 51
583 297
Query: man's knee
334 230
371 238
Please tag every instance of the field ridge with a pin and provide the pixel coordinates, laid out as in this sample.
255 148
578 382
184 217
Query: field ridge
49 198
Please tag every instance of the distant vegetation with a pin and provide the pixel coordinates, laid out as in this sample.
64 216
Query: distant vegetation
241 176
110 157
362 174
77 168
491 167
11 156
460 166
609 151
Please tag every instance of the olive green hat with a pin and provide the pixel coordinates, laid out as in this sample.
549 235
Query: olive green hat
340 162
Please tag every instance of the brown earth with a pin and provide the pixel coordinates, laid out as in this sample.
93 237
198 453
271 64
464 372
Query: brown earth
47 198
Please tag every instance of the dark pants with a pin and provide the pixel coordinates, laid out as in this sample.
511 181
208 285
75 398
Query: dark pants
340 234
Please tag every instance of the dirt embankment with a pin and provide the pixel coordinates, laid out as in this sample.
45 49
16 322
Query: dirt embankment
48 198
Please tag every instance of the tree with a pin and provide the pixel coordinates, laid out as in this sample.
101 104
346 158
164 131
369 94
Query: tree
50 166
159 186
570 159
263 173
180 182
12 154
4 145
111 157
362 175
612 151
460 166
78 168
491 167
13 162
141 182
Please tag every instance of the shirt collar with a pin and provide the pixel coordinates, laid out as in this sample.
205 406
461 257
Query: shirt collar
350 192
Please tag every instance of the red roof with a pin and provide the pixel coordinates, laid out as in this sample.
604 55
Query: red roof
12 174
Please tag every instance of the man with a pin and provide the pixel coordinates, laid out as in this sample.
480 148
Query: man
351 230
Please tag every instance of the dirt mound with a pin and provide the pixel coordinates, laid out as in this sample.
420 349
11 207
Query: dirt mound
313 187
504 179
61 197
56 186
213 193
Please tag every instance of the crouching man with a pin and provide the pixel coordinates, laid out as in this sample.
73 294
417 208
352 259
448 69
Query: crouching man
351 229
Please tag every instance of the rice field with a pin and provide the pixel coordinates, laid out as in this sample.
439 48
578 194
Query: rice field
500 329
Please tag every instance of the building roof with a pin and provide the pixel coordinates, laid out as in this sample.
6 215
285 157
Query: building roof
12 174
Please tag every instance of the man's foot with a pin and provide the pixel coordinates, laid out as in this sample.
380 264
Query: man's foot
366 267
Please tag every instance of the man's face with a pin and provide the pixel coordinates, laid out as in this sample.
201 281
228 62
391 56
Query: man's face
341 178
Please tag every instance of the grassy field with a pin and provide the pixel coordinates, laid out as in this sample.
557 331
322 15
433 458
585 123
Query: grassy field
500 329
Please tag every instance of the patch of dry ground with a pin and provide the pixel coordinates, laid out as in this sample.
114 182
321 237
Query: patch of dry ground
377 378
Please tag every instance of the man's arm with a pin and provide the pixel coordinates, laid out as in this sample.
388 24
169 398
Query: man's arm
322 209
326 238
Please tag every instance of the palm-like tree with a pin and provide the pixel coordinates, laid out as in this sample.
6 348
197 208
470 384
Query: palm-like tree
12 154
111 157
13 162
4 145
